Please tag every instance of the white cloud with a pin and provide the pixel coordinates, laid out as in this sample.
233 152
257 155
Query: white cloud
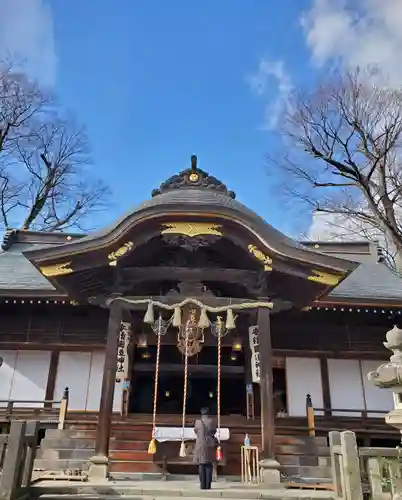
26 35
356 33
329 227
271 79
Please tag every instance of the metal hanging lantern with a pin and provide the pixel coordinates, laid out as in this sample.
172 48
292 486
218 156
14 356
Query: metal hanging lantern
142 341
160 326
218 328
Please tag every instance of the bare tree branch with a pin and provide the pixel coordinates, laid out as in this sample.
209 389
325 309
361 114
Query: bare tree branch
344 155
45 183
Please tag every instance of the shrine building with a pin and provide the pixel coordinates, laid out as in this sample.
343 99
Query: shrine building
193 300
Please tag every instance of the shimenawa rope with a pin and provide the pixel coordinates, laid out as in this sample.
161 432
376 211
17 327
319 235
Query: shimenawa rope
197 302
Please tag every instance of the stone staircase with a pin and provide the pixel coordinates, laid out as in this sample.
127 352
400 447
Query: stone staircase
303 459
164 490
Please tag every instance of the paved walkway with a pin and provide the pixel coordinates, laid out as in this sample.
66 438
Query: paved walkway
164 490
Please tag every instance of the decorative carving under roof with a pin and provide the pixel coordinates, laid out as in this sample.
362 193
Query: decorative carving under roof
193 177
10 236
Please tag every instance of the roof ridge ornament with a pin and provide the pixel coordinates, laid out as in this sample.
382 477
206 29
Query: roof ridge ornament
193 177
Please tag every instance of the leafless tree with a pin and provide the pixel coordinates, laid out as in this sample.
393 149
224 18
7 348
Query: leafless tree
45 183
343 155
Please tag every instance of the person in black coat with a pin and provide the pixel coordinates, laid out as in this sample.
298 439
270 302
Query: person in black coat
205 447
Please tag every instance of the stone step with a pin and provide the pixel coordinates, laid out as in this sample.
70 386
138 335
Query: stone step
309 461
307 449
57 465
163 490
85 443
267 495
301 440
306 472
67 443
72 454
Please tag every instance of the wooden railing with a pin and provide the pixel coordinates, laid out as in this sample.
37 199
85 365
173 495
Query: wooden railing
358 473
18 450
17 409
361 415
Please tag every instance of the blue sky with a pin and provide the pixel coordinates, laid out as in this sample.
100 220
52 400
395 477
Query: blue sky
157 81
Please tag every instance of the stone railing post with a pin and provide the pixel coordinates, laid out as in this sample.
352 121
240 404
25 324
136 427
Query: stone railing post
351 467
336 462
12 471
31 439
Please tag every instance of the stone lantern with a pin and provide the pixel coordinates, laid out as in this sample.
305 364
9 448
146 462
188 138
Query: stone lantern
389 376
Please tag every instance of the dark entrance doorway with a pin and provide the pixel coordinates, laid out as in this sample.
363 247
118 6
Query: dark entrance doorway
201 392
202 382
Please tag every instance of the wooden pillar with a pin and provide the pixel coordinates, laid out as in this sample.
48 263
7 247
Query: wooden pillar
99 463
51 379
266 383
326 393
269 466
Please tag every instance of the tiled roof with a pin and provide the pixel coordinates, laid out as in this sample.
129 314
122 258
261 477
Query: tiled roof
197 197
368 281
17 273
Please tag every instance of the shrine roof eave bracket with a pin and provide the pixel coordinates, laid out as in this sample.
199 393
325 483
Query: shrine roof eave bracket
270 238
258 238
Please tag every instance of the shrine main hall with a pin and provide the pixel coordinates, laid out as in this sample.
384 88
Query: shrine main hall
192 300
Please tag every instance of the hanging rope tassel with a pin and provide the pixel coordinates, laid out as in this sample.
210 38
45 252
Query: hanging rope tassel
183 451
149 315
152 444
176 317
218 397
203 322
230 320
152 447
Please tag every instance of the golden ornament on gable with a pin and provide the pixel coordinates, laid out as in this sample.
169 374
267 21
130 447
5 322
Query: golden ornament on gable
56 269
117 254
193 177
324 278
192 229
259 255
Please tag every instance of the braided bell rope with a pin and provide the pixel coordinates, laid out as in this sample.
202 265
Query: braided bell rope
197 302
158 351
218 390
183 418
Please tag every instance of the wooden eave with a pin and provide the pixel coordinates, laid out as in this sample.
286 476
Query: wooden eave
358 302
138 227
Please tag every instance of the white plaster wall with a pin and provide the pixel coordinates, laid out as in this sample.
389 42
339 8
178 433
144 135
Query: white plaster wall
376 399
345 384
73 372
303 376
95 384
82 373
95 380
30 378
7 374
